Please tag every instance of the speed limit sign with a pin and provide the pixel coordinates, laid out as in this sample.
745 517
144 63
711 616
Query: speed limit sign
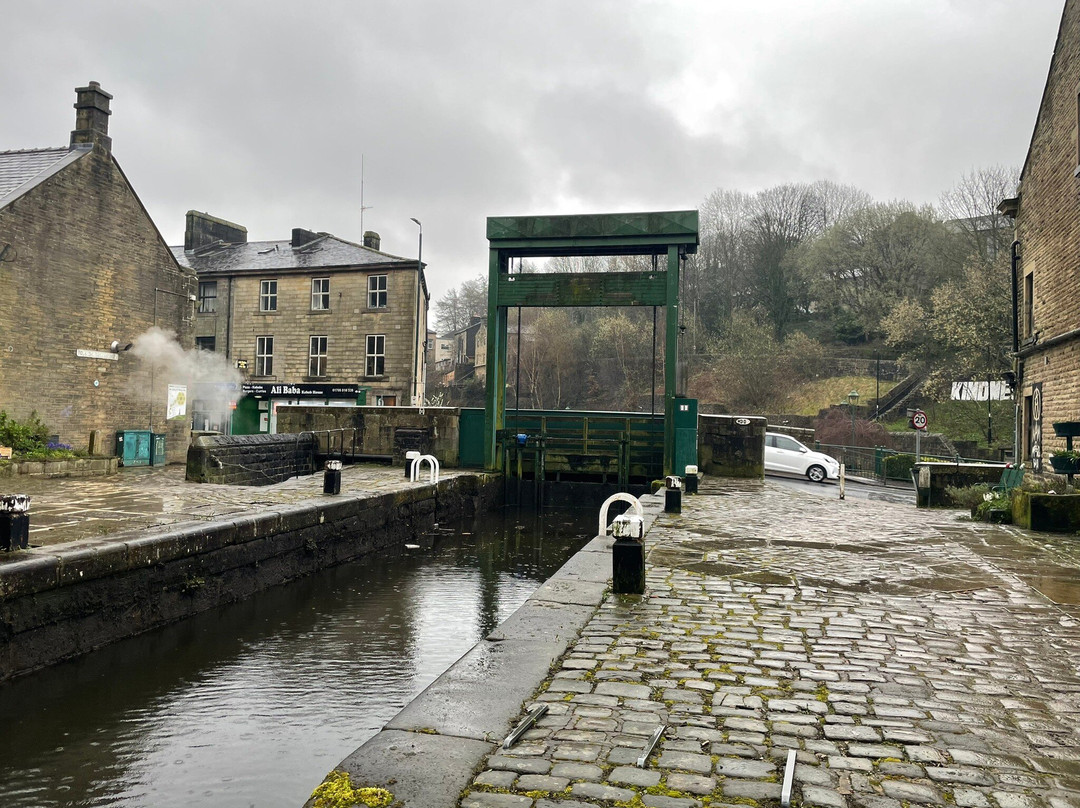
918 419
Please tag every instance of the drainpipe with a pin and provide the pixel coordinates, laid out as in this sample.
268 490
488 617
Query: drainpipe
1018 363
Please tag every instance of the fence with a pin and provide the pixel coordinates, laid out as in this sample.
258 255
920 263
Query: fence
873 461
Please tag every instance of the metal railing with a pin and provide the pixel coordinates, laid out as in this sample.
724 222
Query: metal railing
873 461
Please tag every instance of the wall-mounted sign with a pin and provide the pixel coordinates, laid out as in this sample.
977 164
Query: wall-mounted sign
83 353
177 401
260 391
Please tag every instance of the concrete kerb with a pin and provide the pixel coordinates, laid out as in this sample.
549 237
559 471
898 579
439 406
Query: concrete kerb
429 752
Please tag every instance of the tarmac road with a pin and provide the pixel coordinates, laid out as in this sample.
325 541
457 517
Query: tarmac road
854 488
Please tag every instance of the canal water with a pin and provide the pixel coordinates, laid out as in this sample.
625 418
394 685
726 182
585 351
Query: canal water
252 704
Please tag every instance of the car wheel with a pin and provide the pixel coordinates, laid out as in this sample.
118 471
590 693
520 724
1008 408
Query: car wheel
816 474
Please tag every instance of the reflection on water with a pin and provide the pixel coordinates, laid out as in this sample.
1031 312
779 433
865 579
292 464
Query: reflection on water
251 704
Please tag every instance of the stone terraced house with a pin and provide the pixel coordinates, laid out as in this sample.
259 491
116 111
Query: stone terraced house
1046 258
312 319
83 272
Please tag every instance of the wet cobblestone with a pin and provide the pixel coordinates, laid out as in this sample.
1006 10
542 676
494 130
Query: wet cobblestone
69 509
908 657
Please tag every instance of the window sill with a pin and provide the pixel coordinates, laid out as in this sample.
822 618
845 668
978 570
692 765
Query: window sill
320 311
377 308
275 311
317 378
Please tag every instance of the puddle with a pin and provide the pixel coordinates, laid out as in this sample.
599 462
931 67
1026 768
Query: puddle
715 568
766 578
673 556
946 584
823 545
1059 590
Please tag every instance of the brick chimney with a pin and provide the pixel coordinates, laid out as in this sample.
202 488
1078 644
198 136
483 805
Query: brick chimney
371 240
92 116
201 229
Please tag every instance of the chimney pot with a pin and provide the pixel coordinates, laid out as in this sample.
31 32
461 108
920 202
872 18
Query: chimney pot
92 116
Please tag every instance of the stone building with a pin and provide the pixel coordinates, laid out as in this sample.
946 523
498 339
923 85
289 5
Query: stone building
309 319
1046 262
82 267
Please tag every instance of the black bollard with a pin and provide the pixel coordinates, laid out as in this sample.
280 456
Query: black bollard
673 495
691 480
628 556
14 522
332 477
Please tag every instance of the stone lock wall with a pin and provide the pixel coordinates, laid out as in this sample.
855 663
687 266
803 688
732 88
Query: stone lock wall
250 459
60 603
387 431
731 445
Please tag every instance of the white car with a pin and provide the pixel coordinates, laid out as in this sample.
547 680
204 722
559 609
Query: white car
785 455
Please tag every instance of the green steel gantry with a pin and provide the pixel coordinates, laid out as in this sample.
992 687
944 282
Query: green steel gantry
670 233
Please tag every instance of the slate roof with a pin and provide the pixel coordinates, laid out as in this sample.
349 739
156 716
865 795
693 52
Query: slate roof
325 252
23 169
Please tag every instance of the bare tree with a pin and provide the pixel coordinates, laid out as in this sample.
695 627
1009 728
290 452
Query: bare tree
781 218
454 310
970 208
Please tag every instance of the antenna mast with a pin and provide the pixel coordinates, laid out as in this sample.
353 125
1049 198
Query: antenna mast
362 207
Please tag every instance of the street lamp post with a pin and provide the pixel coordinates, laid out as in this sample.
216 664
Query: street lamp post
416 342
853 402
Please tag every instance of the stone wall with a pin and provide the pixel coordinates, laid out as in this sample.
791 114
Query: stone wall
933 478
731 445
77 467
250 459
1055 513
388 431
59 603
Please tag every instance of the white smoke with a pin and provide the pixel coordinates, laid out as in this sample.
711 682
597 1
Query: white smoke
208 375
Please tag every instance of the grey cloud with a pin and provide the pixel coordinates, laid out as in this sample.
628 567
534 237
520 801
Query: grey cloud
260 111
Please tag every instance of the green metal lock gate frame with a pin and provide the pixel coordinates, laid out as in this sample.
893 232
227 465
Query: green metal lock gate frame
670 233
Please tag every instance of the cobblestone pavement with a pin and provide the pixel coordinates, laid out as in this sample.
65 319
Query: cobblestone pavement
67 509
909 658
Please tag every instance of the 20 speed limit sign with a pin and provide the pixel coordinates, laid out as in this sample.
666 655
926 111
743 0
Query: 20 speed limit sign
918 419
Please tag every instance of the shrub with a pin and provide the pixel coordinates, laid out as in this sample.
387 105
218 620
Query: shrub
970 497
23 437
898 466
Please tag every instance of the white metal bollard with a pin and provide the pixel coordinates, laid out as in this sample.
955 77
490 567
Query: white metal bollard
433 464
620 497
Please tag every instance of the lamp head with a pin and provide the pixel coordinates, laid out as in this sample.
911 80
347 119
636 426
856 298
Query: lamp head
853 398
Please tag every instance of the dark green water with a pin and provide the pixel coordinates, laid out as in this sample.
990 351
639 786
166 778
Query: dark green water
251 704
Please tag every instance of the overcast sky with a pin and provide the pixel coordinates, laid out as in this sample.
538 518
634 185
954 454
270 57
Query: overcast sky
259 112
